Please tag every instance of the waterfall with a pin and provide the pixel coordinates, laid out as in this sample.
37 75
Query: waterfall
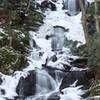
72 7
45 81
58 38
45 86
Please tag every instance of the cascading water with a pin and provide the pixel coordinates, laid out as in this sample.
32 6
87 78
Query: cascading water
58 38
72 7
45 83
48 75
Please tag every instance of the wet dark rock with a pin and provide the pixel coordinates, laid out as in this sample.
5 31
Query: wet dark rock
57 26
46 66
54 58
54 0
1 80
66 67
53 6
27 86
1 62
86 94
48 4
54 96
82 77
47 37
2 91
79 62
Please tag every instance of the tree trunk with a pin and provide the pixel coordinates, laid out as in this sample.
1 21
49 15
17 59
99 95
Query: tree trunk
97 17
28 5
82 6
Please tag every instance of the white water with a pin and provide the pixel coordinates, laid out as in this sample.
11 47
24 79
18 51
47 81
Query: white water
57 39
46 85
72 7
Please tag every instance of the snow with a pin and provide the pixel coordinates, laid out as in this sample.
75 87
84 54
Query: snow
90 1
94 97
60 18
1 30
9 84
55 18
75 33
72 93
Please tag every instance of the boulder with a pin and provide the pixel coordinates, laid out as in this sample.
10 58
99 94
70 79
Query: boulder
27 86
48 4
79 62
1 80
82 77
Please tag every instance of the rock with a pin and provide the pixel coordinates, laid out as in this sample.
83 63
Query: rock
66 67
53 6
63 28
82 77
48 4
54 0
79 62
54 58
54 96
97 74
27 86
86 79
1 81
47 37
2 91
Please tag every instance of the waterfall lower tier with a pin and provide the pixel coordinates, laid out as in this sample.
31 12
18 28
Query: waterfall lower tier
54 85
44 82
